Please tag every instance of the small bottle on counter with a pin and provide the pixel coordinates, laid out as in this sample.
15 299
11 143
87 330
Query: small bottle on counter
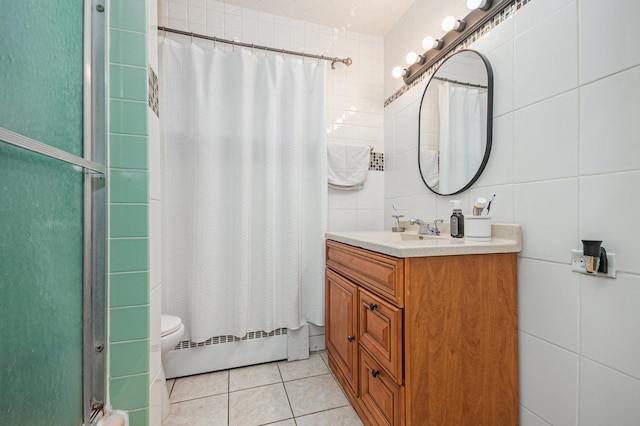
457 220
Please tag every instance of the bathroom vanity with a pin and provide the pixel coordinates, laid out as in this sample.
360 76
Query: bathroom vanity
423 331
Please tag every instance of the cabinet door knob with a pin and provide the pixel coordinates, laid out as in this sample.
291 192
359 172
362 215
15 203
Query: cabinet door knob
350 338
375 373
373 306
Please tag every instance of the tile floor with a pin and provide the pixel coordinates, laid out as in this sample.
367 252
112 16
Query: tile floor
299 393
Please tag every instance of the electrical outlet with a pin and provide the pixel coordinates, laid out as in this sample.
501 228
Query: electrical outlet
577 265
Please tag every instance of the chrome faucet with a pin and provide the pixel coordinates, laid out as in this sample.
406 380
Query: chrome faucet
425 229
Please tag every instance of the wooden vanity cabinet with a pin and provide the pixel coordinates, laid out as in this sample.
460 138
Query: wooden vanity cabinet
424 340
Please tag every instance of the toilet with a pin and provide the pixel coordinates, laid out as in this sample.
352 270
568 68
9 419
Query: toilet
171 331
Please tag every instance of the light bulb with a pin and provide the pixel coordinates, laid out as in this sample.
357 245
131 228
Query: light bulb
479 4
448 23
428 42
397 72
473 4
411 57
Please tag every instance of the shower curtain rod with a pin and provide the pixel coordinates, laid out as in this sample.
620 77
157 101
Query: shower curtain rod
346 61
460 82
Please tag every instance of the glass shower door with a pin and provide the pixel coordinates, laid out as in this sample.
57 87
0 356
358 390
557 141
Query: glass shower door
45 194
41 256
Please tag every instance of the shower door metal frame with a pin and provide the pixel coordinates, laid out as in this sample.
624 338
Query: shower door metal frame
95 204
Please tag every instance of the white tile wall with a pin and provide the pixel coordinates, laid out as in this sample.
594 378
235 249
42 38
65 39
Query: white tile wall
555 69
609 206
555 319
610 318
547 134
548 380
548 213
566 166
608 123
607 396
527 418
606 52
530 18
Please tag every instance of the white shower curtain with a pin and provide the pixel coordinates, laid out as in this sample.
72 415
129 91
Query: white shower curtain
244 190
462 134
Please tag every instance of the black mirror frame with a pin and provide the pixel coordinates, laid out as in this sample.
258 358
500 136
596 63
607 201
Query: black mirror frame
487 151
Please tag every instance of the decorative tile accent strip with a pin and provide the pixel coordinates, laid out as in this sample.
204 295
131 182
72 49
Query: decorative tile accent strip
376 162
154 98
506 13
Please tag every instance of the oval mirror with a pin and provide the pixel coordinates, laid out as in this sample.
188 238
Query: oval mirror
454 125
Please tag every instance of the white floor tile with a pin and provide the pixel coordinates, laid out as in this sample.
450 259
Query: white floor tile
315 394
316 399
313 366
253 376
344 416
199 412
258 406
199 386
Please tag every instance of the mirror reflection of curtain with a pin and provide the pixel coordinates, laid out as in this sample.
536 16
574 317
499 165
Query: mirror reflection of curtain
244 190
463 118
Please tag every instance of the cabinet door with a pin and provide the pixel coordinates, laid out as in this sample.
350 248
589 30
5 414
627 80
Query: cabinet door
341 326
380 332
382 397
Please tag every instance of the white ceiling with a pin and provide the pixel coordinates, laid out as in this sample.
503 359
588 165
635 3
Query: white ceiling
375 17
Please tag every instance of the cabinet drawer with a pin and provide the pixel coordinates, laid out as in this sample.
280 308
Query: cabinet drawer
380 273
380 332
380 394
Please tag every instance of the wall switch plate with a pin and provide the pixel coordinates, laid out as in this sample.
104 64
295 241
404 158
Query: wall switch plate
577 265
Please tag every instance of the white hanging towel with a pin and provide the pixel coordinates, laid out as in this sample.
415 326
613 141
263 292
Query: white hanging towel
348 166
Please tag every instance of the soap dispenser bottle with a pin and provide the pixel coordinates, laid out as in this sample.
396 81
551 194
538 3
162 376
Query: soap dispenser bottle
457 220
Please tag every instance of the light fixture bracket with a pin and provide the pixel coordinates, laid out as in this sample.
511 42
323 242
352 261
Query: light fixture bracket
452 39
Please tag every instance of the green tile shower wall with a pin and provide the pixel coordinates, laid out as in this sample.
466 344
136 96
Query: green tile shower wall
129 289
128 152
128 210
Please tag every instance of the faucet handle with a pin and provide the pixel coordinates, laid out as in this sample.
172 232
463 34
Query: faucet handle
435 226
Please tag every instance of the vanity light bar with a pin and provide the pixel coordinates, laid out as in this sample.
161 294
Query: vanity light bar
452 39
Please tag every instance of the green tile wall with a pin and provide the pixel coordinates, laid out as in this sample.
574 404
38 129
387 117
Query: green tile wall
128 210
129 289
129 220
129 152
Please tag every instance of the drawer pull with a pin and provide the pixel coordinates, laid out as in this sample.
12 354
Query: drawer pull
350 338
373 306
375 373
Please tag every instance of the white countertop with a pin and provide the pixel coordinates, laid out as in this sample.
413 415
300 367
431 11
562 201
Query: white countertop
505 238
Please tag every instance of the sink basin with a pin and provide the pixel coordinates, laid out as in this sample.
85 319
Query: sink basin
397 236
